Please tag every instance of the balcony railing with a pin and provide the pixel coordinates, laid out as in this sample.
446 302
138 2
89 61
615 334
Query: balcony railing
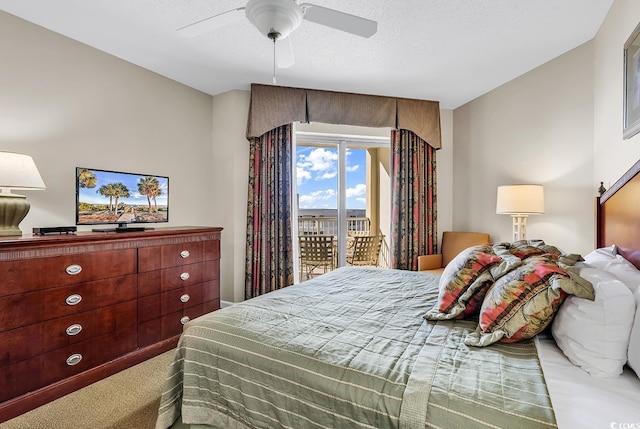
329 225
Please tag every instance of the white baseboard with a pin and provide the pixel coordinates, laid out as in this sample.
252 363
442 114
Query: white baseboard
224 304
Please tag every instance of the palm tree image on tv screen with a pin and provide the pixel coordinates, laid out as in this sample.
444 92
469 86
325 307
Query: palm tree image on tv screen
118 197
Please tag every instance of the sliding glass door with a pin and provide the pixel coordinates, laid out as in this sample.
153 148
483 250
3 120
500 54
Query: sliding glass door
335 180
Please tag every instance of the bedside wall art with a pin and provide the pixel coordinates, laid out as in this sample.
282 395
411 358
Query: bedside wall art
632 85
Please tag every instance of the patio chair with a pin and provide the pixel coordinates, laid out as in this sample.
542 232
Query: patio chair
364 250
316 252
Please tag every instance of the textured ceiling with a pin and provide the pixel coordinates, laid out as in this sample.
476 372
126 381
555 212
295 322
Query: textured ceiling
447 50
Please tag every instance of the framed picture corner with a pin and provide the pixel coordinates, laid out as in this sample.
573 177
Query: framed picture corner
631 93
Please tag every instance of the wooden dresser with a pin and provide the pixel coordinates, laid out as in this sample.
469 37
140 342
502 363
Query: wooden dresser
76 308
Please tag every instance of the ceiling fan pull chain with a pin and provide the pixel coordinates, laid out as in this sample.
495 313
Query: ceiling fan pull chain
274 60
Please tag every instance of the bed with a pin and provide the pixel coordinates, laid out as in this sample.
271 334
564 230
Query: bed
353 348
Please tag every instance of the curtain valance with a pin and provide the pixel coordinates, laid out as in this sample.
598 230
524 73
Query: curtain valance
273 106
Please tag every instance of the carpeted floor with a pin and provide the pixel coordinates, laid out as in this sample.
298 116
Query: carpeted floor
126 400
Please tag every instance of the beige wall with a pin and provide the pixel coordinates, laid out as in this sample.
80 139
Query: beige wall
70 105
383 160
445 168
230 178
559 125
537 128
613 155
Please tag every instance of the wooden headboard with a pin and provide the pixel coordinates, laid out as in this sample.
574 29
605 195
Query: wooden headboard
618 216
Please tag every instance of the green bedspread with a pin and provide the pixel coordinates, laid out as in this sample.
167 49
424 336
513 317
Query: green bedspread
350 349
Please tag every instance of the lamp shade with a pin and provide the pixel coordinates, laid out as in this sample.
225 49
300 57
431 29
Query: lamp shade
520 199
18 171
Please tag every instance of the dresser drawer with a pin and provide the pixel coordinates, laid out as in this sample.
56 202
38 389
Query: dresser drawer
156 305
170 325
211 291
48 368
20 378
60 363
34 307
42 273
172 255
152 282
23 343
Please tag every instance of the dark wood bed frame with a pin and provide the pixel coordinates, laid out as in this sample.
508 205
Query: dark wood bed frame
618 216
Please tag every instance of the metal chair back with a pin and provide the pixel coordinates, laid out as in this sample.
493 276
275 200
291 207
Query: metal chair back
365 250
316 251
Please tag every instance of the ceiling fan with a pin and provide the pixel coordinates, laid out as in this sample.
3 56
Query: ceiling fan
276 19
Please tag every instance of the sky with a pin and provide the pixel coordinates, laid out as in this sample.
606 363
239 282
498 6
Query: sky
90 195
317 177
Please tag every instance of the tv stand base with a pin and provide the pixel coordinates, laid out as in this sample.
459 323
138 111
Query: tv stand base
132 229
119 229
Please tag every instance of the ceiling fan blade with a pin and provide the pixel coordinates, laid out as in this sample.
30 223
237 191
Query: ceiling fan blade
339 20
284 53
212 23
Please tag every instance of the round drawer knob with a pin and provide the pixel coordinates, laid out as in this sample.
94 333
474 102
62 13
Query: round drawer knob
74 359
74 329
184 276
185 298
185 254
184 320
74 269
73 299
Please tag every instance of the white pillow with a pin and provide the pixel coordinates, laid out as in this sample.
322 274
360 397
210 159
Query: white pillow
625 271
623 261
600 257
594 335
608 259
634 343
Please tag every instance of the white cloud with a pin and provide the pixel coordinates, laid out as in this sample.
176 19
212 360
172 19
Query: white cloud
359 189
327 175
315 198
302 174
351 168
320 161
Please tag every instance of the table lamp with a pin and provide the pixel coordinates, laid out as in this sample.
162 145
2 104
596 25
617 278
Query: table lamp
520 201
17 171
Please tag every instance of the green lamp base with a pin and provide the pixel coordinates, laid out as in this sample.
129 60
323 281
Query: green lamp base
13 208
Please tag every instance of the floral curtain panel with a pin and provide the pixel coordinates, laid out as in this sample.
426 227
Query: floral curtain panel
269 263
413 194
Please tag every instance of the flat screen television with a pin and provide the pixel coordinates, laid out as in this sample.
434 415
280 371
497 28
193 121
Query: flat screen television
106 197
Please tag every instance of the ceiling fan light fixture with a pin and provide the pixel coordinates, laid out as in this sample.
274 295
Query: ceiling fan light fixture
274 16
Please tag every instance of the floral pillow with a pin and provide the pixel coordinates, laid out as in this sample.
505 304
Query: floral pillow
523 302
466 279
